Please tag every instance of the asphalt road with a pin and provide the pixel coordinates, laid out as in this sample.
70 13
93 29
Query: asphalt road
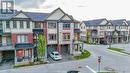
111 60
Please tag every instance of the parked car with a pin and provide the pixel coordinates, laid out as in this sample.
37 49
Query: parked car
73 71
55 55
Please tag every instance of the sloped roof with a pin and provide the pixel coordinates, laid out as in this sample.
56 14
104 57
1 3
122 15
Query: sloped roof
7 16
37 16
94 22
128 21
33 15
117 22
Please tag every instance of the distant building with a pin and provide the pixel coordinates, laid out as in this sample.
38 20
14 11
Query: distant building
103 31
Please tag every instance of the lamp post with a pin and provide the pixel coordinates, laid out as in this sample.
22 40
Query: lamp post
99 63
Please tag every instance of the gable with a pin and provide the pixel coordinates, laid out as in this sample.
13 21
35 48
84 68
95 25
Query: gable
65 17
104 22
20 15
56 15
125 23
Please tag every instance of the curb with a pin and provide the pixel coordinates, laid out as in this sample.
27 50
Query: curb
118 52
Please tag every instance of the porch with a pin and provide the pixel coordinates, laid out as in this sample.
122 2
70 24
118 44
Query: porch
23 53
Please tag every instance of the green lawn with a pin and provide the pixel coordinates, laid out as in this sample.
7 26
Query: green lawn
83 55
119 50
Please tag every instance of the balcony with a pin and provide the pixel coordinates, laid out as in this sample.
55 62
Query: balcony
6 46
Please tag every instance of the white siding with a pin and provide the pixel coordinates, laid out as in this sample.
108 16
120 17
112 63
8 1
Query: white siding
21 15
56 15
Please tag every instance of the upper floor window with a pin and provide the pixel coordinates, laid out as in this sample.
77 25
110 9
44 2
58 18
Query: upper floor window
21 24
14 24
0 24
75 25
52 25
22 39
66 25
52 36
38 25
7 24
66 36
28 24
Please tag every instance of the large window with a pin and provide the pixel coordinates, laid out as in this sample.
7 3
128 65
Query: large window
24 55
14 24
52 36
7 24
28 24
66 26
22 39
52 25
66 36
21 25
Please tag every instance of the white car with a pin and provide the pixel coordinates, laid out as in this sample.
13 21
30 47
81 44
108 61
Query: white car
55 55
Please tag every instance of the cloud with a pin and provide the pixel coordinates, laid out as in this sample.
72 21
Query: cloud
29 3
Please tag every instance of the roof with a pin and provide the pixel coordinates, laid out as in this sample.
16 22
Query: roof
128 22
35 16
7 16
117 22
94 22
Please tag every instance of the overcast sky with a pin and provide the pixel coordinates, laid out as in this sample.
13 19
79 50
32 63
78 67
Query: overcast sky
80 9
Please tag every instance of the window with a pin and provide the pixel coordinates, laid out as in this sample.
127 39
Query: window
22 39
0 24
14 24
66 26
38 25
7 24
66 36
75 25
52 36
28 24
51 25
23 55
21 24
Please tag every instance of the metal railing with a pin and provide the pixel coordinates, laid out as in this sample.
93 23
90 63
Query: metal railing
5 44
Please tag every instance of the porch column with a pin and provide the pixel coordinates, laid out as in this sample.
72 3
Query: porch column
98 40
15 61
32 55
0 56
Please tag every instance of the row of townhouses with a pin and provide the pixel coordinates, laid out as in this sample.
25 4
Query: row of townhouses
103 31
18 34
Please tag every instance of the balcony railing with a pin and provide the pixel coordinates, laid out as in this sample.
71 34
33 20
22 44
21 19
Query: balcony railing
5 44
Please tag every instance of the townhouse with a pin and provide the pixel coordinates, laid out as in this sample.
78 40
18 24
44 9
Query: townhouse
103 31
19 31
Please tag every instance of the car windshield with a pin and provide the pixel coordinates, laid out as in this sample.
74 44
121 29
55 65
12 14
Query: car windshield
56 54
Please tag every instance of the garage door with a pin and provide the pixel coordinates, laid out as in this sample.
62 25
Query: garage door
65 49
8 56
51 48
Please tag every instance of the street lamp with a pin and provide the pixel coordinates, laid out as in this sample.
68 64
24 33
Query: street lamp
99 63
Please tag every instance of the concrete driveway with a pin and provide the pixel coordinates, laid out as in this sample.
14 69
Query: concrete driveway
65 58
6 65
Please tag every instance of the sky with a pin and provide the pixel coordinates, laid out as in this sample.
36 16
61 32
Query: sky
80 9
